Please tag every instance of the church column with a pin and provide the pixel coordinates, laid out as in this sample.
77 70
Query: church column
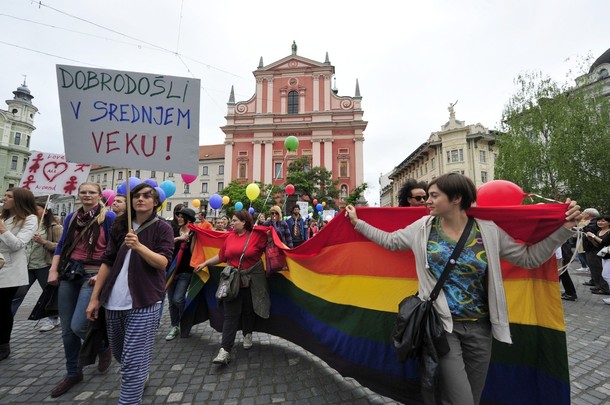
256 161
327 92
268 175
328 154
228 163
259 95
315 153
269 94
283 101
301 101
316 93
359 160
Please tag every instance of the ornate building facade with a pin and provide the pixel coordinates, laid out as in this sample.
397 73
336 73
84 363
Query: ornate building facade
16 127
294 96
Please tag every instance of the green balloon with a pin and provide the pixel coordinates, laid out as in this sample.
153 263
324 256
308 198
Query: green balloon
291 143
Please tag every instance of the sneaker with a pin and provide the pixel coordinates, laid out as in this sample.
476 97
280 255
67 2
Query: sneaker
582 270
173 333
568 297
65 385
48 324
248 341
606 301
223 357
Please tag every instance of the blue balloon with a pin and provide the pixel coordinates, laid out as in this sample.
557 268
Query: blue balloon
122 189
251 210
319 207
134 181
215 201
151 182
239 206
161 193
169 187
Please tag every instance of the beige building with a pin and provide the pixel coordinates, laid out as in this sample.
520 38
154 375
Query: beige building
210 179
457 147
16 127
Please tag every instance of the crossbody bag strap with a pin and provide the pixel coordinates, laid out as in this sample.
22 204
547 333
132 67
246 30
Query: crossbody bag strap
244 251
78 237
452 260
146 225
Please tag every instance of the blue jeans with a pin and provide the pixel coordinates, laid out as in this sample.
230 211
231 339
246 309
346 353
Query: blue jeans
73 300
176 296
41 274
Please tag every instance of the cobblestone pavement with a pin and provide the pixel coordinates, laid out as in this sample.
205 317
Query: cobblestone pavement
274 371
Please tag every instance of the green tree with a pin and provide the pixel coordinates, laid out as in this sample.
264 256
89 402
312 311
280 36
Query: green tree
355 197
315 182
555 141
236 191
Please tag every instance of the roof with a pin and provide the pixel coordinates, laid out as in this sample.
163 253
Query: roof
604 58
207 152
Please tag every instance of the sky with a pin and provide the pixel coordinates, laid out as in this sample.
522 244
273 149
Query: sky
411 59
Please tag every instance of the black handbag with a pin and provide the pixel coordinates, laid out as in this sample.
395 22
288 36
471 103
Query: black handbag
228 285
418 318
46 305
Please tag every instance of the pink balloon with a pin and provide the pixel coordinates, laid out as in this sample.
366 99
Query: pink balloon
290 189
189 178
498 193
109 195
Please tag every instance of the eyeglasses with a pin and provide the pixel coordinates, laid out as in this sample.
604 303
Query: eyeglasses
274 213
419 197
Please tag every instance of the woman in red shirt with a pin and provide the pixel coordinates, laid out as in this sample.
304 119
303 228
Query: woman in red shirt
242 249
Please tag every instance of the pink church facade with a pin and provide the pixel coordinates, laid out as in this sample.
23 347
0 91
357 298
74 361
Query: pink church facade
294 96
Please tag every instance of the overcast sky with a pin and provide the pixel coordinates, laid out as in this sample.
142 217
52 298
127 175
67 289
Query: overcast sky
412 59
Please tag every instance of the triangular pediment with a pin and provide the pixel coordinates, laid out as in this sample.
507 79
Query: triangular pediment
292 62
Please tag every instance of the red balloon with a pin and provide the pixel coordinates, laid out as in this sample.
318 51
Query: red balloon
189 178
290 189
498 193
315 201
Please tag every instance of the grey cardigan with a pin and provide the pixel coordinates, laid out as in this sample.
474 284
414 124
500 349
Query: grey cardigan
498 244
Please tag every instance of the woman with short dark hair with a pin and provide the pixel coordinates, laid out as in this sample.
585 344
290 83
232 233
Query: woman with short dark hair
471 304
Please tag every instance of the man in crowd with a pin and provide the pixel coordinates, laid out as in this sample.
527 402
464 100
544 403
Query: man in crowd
297 227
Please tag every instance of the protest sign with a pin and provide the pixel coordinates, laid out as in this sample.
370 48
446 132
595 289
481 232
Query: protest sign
49 173
128 119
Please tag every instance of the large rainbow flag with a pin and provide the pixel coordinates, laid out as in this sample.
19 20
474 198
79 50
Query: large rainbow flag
340 295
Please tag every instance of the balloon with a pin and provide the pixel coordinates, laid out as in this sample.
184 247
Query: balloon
169 187
226 199
497 193
109 196
151 182
161 193
215 201
290 189
251 210
324 203
134 181
162 206
239 206
319 207
188 178
309 208
291 143
253 191
315 201
196 203
122 189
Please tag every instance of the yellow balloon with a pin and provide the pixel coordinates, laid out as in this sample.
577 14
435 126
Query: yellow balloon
226 199
324 203
252 191
162 207
196 203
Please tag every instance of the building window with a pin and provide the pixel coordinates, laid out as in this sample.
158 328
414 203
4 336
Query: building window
14 163
98 178
482 156
153 174
204 171
242 171
293 102
483 177
343 192
25 163
138 174
168 206
186 188
278 170
17 138
432 163
455 155
170 174
343 151
221 169
120 175
343 168
105 177
204 187
221 186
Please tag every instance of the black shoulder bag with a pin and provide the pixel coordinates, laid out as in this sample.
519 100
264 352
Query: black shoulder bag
416 317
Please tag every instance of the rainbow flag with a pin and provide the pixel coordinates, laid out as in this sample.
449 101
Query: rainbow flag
340 295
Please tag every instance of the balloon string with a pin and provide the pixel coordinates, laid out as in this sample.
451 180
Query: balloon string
542 198
271 188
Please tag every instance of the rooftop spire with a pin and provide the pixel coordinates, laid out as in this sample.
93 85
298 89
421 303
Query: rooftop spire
232 96
357 94
260 63
327 61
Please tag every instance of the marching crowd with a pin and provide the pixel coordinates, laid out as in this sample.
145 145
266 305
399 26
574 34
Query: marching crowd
113 276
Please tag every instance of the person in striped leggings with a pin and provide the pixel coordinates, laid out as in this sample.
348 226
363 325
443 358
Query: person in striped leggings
131 286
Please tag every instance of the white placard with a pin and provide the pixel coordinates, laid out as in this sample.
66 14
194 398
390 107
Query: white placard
49 173
128 119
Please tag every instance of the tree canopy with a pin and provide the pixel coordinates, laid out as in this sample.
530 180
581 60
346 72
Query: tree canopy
316 182
555 141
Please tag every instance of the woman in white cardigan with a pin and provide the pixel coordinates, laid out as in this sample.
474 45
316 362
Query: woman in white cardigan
471 304
18 223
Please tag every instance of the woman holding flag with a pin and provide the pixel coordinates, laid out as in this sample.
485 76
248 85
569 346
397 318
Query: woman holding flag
131 286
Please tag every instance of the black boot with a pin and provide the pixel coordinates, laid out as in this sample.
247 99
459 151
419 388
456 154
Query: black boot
5 350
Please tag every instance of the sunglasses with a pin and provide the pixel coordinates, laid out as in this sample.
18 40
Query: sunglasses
420 198
274 213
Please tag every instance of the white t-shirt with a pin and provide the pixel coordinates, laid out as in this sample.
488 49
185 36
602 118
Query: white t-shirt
120 297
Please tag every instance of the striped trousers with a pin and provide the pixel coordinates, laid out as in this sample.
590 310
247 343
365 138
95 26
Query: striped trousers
131 334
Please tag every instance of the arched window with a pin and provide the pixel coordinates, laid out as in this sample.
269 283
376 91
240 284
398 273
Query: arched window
293 102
